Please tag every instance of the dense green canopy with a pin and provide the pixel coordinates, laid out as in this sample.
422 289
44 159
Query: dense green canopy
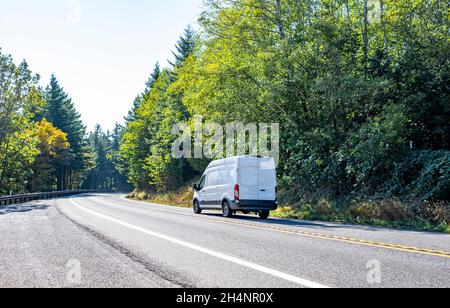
360 89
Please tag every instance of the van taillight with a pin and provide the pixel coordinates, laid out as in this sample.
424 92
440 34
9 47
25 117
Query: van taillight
276 189
236 192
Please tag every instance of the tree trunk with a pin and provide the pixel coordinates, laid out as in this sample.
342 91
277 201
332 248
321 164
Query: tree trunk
366 38
383 26
308 12
279 20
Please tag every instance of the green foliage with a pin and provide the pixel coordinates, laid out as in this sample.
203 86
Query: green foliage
424 175
61 112
185 47
360 88
392 213
20 99
106 173
372 151
42 142
148 139
352 94
53 155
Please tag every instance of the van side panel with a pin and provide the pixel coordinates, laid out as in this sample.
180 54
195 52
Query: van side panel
221 178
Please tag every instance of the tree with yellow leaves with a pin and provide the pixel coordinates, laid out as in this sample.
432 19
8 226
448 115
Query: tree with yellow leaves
54 153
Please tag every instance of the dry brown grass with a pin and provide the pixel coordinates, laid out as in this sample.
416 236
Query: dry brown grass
180 198
388 210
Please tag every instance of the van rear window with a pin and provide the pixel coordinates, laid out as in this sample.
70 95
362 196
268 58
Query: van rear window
249 176
266 178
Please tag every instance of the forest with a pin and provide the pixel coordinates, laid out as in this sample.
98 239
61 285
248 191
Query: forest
360 89
44 145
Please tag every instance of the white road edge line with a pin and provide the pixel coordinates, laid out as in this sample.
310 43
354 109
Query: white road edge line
256 267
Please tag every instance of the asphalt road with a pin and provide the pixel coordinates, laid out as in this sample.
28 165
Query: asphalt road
109 241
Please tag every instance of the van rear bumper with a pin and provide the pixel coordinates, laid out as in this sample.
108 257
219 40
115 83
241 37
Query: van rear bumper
254 205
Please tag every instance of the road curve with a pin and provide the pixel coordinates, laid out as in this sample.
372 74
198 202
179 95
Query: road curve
105 240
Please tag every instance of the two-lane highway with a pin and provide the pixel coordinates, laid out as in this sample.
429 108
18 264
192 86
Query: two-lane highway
119 242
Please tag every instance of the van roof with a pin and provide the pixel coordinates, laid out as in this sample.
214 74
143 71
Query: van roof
236 159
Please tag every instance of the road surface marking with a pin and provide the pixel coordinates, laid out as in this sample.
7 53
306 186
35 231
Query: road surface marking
389 246
256 267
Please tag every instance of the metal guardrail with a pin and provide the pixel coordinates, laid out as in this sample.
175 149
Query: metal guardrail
16 199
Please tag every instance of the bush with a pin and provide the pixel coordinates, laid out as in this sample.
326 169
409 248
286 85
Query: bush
138 195
365 211
387 210
181 197
434 212
323 208
372 151
423 175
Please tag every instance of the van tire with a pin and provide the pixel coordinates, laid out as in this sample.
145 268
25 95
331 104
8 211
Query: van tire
226 210
197 209
264 214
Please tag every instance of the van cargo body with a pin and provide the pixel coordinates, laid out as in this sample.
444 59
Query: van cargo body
238 184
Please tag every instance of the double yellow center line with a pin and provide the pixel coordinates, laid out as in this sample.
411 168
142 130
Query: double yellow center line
355 241
398 247
410 249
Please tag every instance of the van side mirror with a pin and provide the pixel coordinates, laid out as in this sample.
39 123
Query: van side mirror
196 187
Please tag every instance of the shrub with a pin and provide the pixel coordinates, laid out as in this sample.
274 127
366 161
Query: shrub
387 210
323 208
393 211
423 175
364 211
138 195
434 212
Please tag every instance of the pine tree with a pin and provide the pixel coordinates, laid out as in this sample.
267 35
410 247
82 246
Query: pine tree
142 97
120 170
132 112
185 47
101 163
106 175
153 77
61 112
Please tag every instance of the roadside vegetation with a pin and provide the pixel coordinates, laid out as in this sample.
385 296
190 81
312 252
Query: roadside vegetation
360 89
387 213
44 145
179 198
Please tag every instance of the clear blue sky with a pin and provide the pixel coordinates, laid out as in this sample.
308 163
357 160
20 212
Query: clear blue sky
102 51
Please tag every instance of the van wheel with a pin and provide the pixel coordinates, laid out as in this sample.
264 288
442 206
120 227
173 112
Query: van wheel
227 212
264 214
197 209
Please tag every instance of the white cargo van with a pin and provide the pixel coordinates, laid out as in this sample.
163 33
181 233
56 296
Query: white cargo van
238 184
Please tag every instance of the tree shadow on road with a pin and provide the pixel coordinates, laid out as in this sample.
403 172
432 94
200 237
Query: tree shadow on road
21 208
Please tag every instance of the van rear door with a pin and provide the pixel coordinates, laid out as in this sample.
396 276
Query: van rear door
267 179
248 179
